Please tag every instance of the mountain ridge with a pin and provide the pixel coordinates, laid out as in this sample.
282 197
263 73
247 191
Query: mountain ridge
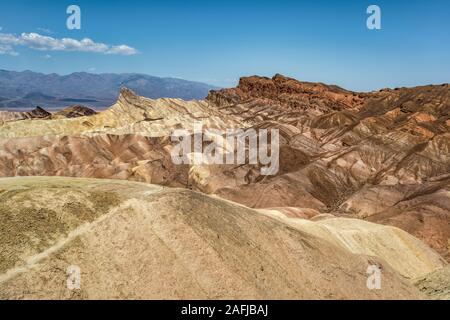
27 89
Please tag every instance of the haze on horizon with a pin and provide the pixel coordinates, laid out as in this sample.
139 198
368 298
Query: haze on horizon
218 42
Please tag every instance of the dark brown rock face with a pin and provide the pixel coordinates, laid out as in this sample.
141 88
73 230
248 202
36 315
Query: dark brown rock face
40 113
37 113
75 112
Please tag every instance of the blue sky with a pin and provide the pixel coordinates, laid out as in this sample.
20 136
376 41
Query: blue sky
219 41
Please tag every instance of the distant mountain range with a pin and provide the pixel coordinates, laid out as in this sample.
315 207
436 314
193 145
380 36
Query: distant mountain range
26 90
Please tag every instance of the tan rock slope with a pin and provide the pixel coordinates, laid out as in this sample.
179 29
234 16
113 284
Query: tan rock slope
39 113
405 253
133 240
436 285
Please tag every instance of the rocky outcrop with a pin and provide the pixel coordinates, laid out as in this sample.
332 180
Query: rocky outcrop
74 112
284 95
127 157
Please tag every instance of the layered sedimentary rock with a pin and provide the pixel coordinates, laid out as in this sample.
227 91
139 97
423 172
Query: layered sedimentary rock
128 157
382 157
74 112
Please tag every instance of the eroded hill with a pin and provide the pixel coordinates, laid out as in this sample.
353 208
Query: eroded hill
140 241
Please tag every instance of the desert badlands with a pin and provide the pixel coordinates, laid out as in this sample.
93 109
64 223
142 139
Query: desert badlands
363 180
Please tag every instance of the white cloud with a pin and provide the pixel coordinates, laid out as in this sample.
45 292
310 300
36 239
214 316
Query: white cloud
46 43
47 56
7 49
8 39
45 30
122 49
